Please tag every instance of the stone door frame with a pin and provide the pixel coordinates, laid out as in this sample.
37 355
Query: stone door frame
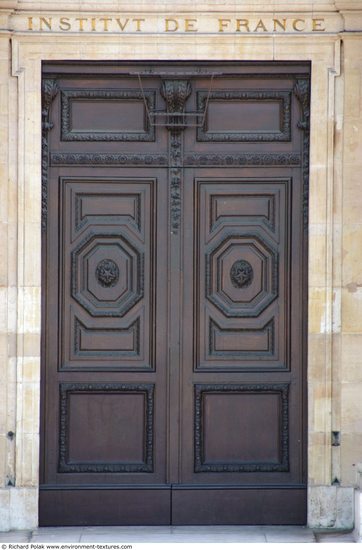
28 52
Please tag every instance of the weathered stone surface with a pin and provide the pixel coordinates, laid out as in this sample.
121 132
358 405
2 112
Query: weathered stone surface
335 237
330 507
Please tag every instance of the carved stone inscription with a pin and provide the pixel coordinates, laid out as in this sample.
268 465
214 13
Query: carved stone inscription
133 23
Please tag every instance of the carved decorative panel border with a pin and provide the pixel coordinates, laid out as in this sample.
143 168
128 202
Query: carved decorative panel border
242 159
50 89
302 93
108 159
200 465
69 96
66 389
190 159
283 97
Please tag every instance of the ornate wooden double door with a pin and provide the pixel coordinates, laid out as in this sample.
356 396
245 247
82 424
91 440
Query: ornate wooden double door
174 305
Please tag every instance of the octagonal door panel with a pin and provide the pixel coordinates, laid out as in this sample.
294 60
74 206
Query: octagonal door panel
243 235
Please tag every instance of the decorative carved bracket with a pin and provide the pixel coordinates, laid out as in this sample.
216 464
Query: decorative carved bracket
175 94
49 91
302 93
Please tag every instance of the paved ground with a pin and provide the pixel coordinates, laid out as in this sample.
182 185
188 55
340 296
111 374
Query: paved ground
215 533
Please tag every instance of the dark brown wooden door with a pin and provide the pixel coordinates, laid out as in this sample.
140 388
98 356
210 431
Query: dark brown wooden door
174 302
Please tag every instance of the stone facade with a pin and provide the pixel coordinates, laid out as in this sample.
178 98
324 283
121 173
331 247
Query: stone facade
326 32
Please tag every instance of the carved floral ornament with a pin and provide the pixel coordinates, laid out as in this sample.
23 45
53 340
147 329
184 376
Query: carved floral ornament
241 274
107 273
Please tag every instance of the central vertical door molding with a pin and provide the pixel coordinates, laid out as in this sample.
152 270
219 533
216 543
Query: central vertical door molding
175 92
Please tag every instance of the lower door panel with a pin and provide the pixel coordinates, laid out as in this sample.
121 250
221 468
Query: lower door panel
81 506
235 506
176 506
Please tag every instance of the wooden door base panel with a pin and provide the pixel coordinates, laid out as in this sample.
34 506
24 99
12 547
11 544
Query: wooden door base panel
176 506
68 507
239 506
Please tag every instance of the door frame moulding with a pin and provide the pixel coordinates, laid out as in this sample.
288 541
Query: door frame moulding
28 52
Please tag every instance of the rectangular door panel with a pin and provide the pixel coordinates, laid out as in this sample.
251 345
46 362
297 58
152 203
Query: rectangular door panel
238 506
227 417
89 506
245 113
106 428
106 115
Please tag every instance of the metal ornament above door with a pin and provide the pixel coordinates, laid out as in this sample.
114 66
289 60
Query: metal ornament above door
175 210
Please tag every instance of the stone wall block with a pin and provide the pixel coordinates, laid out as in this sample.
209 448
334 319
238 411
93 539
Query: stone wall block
23 508
30 299
351 407
322 507
317 310
351 362
331 507
351 453
32 241
317 250
316 464
351 310
3 255
345 508
4 509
